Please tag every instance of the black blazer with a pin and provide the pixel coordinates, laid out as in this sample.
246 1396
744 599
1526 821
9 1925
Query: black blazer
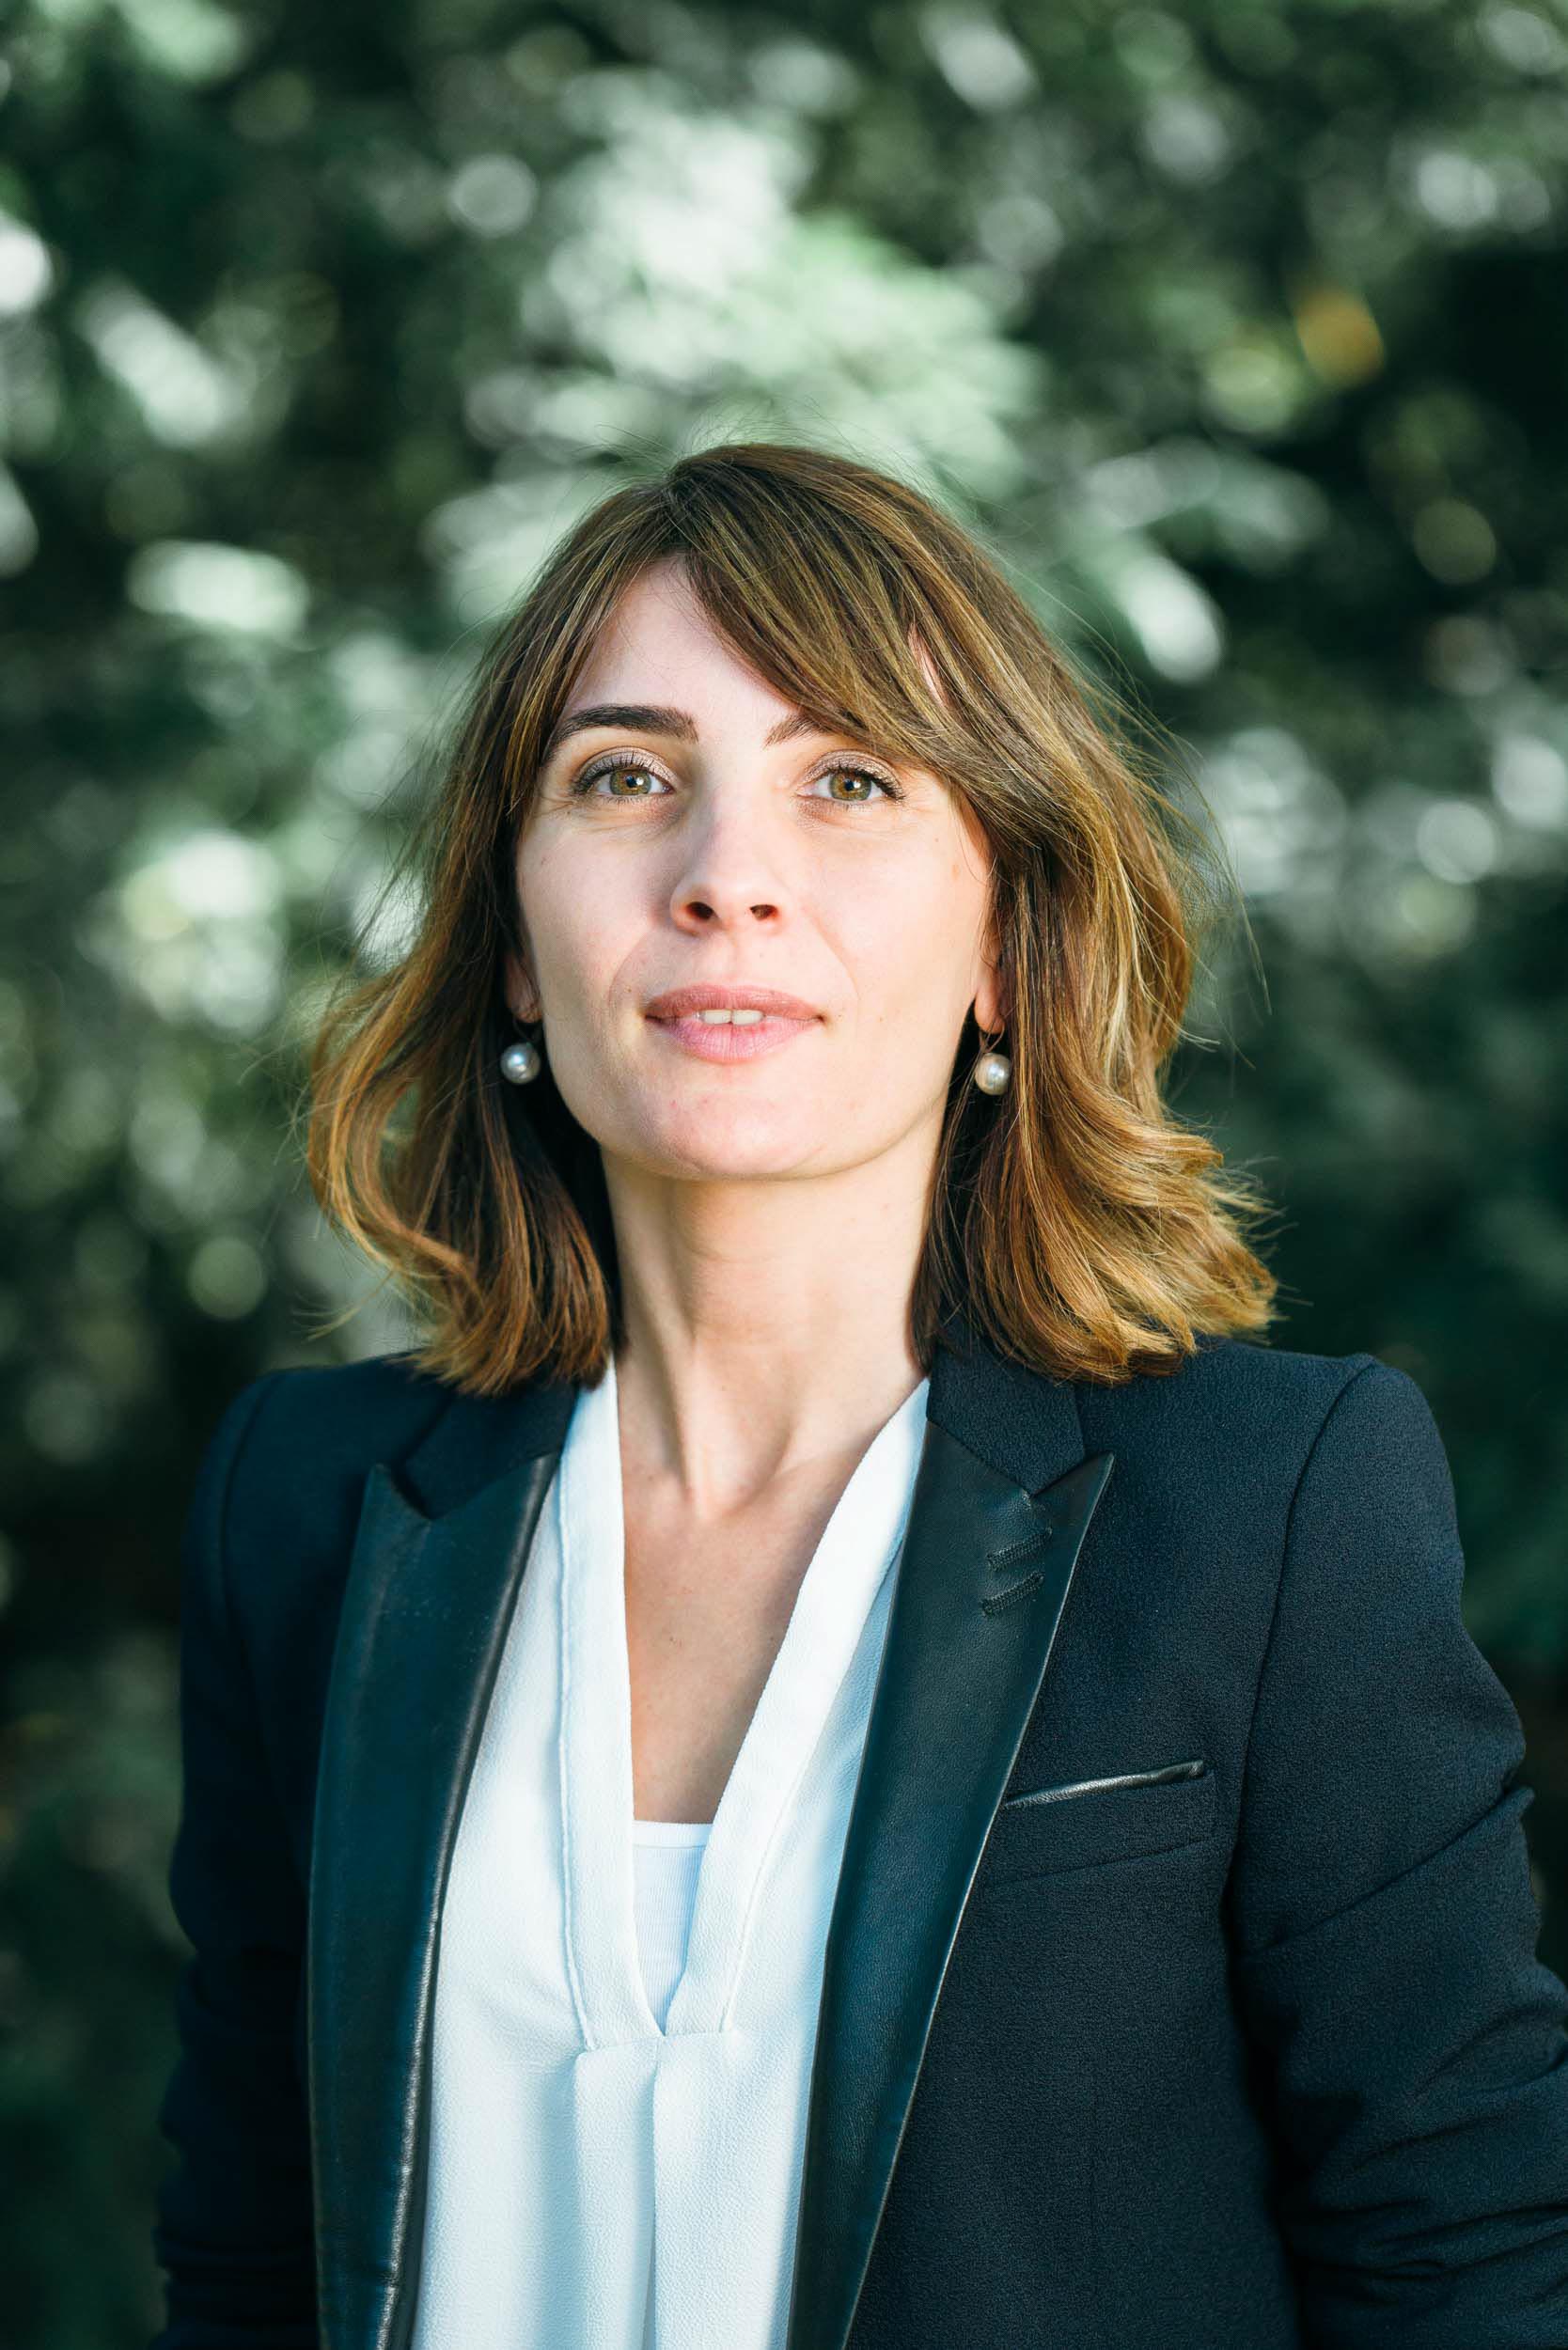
1182 1988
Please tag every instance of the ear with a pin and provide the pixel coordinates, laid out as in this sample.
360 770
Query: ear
520 991
989 1015
993 1004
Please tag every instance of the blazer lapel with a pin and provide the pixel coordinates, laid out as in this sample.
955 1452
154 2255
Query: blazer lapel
430 1592
1002 1502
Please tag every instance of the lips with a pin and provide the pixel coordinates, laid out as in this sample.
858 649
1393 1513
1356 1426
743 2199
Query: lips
677 1002
731 1040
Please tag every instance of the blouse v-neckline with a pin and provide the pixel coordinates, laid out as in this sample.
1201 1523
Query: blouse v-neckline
836 1594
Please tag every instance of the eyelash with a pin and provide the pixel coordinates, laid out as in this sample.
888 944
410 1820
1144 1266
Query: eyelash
614 760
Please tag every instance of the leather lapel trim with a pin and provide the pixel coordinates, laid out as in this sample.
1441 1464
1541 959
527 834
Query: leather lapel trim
983 1578
425 1608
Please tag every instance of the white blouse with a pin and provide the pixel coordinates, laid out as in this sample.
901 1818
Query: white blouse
626 2013
668 1857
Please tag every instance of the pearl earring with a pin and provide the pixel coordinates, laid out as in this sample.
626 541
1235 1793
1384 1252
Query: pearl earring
993 1072
521 1062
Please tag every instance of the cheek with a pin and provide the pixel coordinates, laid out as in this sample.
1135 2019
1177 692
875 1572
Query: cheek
910 956
552 889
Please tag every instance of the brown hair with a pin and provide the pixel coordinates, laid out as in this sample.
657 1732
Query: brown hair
1076 1222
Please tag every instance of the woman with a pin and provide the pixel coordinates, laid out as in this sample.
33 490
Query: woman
981 1822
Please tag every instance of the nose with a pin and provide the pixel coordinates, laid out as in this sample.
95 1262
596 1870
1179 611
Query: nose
726 874
693 911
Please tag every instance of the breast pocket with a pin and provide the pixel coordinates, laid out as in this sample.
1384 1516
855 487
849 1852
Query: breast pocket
1090 1821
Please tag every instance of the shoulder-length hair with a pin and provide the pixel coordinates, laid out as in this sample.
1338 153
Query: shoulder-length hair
1074 1222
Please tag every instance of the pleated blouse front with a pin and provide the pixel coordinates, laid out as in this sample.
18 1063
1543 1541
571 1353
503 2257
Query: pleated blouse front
621 2056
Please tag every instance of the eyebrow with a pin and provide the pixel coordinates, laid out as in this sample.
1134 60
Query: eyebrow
653 718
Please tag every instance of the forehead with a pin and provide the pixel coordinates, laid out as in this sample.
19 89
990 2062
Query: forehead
658 629
659 666
658 661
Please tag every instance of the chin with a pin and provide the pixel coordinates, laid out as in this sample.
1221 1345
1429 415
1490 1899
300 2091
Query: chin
700 1140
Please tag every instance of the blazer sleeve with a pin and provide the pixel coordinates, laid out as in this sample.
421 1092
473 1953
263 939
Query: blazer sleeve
1411 2049
233 2226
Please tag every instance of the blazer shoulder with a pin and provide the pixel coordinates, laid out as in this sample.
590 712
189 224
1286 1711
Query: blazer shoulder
380 1404
294 1445
281 1484
1229 1456
1257 1404
1247 1368
1315 1386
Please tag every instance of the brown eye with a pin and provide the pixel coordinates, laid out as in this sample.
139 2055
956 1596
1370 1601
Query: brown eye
617 765
863 776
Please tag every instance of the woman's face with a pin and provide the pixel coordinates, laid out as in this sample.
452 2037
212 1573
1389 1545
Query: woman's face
697 842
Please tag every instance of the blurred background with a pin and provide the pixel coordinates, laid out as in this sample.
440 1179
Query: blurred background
1239 334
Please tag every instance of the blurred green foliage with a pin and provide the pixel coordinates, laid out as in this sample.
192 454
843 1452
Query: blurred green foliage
1238 333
